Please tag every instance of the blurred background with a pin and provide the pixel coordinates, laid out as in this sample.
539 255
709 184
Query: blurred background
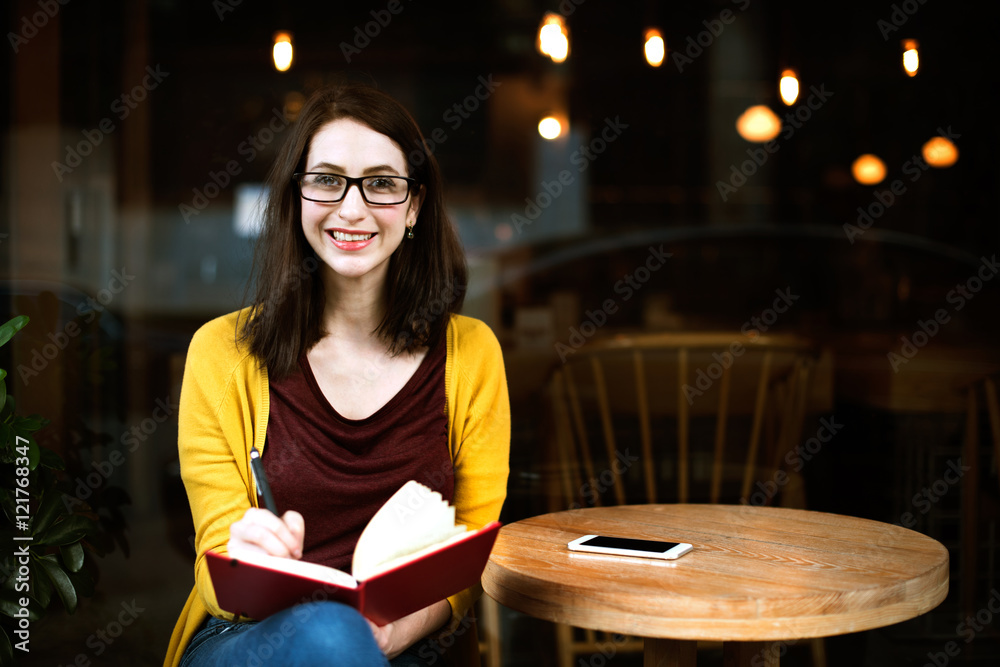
825 172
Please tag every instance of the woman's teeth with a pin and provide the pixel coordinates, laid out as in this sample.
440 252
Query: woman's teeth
341 236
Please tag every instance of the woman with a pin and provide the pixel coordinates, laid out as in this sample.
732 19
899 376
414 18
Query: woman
351 374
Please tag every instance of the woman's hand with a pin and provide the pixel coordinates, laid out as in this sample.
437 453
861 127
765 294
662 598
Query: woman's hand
260 531
397 636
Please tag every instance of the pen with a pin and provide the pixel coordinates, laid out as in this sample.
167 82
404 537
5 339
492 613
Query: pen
263 489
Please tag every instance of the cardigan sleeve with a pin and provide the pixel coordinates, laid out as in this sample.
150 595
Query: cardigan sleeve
216 425
479 413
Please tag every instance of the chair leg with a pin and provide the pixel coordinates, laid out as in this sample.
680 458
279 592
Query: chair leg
489 644
564 645
818 647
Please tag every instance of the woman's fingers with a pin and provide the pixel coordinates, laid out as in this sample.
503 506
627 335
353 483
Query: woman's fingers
260 529
297 526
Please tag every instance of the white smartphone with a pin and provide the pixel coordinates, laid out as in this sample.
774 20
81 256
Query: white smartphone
628 546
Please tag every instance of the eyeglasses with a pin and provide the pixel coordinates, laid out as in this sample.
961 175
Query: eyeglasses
332 188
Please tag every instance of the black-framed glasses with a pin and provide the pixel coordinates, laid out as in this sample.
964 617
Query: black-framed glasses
331 188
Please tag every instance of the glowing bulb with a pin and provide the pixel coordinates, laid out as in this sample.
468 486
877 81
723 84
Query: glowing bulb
911 57
868 169
549 127
553 38
789 87
758 123
282 51
655 48
940 152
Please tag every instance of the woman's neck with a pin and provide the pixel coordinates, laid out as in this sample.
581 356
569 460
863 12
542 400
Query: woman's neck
353 308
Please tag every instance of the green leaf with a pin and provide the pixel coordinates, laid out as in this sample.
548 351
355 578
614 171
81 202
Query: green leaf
84 582
41 588
26 425
71 529
11 327
50 459
3 388
10 604
48 510
6 436
64 587
72 556
7 410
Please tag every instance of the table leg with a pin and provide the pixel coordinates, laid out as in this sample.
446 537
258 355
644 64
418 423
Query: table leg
668 652
747 654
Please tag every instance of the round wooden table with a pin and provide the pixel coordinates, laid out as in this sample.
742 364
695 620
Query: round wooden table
756 574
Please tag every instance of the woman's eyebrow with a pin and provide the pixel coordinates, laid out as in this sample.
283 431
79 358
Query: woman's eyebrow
376 169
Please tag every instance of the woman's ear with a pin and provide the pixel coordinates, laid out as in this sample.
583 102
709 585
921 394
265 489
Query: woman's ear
416 201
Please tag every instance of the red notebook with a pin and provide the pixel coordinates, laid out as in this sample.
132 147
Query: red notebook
258 586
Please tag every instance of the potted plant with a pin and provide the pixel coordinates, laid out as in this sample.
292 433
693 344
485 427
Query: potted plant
49 538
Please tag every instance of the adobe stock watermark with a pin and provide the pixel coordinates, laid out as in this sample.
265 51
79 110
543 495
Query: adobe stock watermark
900 14
796 459
627 287
363 35
103 638
915 167
223 7
121 107
581 159
752 329
454 116
130 440
958 296
696 44
218 181
88 310
592 489
923 500
794 120
47 10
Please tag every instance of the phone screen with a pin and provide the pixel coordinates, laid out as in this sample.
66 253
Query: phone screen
629 543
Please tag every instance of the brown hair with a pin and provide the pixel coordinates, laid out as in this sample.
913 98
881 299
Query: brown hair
427 275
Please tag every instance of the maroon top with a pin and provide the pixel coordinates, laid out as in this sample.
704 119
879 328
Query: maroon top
338 472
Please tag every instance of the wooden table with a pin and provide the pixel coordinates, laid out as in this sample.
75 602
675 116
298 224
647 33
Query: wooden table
756 574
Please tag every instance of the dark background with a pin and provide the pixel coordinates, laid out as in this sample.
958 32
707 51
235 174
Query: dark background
656 183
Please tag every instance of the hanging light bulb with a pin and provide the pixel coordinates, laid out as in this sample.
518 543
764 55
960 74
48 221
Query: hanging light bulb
282 51
758 124
654 47
868 169
550 128
911 57
940 152
553 37
789 87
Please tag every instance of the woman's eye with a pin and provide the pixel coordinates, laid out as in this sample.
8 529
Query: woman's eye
382 183
327 180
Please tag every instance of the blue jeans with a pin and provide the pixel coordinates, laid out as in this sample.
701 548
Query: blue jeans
314 633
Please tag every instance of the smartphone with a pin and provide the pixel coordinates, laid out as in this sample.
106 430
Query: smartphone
628 546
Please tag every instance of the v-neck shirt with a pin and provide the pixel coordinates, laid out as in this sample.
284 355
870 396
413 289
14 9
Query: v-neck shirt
337 472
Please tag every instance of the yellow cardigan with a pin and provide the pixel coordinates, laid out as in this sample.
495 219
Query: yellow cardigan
223 412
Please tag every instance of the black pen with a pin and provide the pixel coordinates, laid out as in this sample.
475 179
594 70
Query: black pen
263 489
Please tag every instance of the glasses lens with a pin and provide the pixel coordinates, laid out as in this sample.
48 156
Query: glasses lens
385 189
322 187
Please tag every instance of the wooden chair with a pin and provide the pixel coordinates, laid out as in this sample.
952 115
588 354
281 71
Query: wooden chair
654 418
973 501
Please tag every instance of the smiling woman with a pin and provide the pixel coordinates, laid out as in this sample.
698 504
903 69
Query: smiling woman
351 378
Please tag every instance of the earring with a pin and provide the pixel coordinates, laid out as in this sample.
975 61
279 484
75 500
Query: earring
409 231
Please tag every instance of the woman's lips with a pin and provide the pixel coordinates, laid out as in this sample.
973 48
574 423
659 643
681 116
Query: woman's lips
346 240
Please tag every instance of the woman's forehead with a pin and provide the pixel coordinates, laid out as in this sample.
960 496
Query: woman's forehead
352 145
